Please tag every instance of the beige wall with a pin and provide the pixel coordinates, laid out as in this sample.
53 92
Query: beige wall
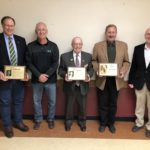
85 18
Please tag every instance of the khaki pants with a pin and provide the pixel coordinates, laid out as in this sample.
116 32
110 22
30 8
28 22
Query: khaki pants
142 98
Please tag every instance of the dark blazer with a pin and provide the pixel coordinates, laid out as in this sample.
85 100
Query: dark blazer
139 74
4 57
67 60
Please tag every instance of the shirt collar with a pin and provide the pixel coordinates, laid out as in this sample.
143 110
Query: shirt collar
146 48
37 41
111 43
6 36
74 54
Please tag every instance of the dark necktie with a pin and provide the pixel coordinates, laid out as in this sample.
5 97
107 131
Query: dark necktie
13 59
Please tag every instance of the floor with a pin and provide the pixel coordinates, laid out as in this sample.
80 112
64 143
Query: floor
123 131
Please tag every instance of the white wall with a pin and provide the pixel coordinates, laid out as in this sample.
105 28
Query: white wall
86 18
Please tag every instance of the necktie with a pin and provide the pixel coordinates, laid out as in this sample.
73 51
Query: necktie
13 59
77 61
77 65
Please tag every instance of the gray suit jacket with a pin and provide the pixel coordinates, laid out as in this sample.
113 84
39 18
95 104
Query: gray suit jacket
67 60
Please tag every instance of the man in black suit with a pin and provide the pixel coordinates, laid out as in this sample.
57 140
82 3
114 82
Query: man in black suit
139 79
76 90
11 90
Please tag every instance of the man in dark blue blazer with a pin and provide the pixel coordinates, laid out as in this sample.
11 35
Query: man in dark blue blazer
76 90
11 91
139 79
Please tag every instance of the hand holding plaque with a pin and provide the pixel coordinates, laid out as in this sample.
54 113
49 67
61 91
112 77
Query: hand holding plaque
108 69
14 72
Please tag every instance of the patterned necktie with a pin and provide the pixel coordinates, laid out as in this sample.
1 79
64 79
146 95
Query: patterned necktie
77 61
77 65
13 59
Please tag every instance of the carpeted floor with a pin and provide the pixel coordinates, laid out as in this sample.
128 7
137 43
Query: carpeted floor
21 143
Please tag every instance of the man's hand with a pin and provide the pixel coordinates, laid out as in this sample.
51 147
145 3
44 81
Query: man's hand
43 78
88 79
2 76
26 77
131 86
66 78
121 74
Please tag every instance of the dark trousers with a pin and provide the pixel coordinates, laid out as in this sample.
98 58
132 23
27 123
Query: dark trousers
107 100
70 101
11 96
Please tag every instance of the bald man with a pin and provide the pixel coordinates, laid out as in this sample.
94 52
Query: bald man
75 90
42 60
139 79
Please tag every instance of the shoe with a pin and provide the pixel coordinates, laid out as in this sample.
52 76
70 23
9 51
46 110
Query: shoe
112 128
21 126
147 133
136 128
51 124
67 128
36 125
102 128
83 128
8 132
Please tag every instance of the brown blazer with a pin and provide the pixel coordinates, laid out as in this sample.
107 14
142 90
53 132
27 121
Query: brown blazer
122 59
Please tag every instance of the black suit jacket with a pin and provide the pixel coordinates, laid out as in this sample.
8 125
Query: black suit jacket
4 57
67 60
139 74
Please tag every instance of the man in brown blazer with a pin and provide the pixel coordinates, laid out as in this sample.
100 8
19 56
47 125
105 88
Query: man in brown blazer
110 51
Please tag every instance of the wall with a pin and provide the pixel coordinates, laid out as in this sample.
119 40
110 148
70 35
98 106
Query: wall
86 18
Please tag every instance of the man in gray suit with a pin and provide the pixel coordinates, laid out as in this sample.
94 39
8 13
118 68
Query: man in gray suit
76 90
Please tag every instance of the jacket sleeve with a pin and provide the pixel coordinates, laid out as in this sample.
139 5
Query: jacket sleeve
133 68
94 59
62 67
126 63
90 70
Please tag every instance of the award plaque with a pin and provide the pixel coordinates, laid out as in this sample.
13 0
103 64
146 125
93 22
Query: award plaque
14 72
108 69
76 73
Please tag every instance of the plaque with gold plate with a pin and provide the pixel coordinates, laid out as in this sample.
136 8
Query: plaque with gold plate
108 69
14 72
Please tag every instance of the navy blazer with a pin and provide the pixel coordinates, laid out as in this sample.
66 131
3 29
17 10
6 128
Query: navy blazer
139 74
4 57
66 61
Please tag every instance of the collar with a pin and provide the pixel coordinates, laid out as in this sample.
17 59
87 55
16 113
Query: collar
37 41
146 48
6 36
111 43
74 54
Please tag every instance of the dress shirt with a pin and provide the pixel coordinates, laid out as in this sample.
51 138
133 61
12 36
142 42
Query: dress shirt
147 55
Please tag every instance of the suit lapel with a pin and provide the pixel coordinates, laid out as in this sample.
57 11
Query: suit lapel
104 50
82 60
71 59
117 50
